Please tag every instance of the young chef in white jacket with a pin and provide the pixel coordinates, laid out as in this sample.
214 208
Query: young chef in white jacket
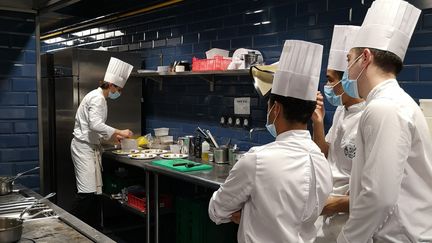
280 188
339 144
89 129
391 176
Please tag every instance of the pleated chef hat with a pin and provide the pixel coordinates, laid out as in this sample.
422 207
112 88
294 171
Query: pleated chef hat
117 72
342 40
388 26
299 70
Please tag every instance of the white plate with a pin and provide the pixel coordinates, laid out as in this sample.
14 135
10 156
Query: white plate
125 152
173 156
154 151
145 71
142 156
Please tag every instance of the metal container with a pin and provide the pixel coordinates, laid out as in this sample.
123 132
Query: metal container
6 182
197 146
187 145
5 185
220 155
10 229
250 59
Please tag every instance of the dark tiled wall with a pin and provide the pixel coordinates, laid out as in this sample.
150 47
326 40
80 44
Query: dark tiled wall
194 26
18 97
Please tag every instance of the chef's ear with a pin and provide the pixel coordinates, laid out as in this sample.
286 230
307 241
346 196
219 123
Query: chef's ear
278 108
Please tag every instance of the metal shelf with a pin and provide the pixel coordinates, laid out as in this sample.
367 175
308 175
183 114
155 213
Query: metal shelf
208 76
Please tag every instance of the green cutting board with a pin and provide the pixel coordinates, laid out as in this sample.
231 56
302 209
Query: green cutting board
169 164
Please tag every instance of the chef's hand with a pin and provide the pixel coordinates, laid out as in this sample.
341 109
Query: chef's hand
319 113
235 217
126 133
339 204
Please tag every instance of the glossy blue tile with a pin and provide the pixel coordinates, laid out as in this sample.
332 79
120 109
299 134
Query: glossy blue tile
13 141
408 73
308 7
201 47
341 16
425 73
25 84
418 57
6 127
418 90
265 40
19 154
243 42
208 36
319 33
222 44
190 38
18 113
13 99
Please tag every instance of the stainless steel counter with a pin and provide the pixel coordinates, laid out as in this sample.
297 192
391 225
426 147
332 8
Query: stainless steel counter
62 227
210 178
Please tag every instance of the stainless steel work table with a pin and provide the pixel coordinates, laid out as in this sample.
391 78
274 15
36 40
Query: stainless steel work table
211 178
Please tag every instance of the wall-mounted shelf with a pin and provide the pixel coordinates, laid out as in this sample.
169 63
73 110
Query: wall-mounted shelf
208 76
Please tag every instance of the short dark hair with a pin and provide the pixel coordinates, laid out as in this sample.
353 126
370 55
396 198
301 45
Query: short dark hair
385 60
339 74
294 110
105 85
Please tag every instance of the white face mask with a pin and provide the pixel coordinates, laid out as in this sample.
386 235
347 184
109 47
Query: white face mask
114 95
350 86
271 127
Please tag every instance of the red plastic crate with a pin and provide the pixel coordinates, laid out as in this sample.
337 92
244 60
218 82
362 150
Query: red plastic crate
217 63
138 201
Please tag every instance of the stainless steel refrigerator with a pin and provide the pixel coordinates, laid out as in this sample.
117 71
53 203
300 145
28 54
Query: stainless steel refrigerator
66 77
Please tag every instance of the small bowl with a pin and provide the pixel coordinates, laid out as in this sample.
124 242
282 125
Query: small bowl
160 132
166 139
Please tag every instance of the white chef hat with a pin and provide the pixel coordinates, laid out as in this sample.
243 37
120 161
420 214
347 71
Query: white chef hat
342 40
117 72
299 70
388 26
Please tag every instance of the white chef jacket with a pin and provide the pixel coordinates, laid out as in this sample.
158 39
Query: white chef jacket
89 128
391 177
342 149
90 119
281 189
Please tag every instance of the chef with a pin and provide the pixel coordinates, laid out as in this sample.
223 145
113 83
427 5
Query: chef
390 187
89 129
339 144
277 191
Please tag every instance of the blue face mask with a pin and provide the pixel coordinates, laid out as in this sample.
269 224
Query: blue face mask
331 96
114 96
271 127
350 85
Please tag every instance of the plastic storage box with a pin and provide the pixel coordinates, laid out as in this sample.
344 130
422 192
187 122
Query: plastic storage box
138 201
217 63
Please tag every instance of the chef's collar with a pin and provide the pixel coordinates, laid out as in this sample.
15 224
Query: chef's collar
356 107
293 133
376 90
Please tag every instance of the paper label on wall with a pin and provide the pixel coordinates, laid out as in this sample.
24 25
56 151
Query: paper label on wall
242 106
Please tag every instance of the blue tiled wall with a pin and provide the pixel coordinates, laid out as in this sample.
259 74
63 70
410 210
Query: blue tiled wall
18 97
194 26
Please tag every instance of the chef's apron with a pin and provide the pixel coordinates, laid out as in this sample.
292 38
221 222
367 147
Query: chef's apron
88 166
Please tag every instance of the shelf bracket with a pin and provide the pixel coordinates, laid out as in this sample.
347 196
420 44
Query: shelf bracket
158 80
211 81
